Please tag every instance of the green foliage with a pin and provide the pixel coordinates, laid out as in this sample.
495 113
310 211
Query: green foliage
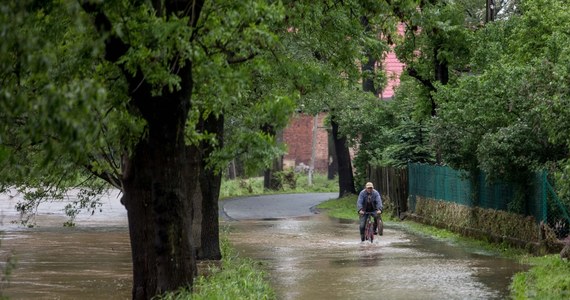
501 118
549 278
388 133
67 110
254 186
237 278
436 32
325 65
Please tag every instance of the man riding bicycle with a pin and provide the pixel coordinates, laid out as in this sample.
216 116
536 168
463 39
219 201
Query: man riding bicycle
369 201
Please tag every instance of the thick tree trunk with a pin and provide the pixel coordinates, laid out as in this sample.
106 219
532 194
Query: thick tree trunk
345 176
155 192
157 175
154 195
157 180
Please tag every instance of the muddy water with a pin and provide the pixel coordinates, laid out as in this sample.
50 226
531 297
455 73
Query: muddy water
307 258
320 258
89 261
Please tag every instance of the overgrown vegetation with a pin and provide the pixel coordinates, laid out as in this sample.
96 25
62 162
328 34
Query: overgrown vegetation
254 186
237 278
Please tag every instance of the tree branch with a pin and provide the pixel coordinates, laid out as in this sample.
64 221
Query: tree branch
114 46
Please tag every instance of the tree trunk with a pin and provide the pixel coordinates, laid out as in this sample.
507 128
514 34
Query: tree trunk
156 180
345 176
210 184
157 176
368 66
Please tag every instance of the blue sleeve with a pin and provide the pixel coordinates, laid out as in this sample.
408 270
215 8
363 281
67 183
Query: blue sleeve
379 205
359 202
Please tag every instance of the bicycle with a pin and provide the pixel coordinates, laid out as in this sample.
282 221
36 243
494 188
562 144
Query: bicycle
369 227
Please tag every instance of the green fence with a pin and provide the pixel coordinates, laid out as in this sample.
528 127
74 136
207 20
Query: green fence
446 184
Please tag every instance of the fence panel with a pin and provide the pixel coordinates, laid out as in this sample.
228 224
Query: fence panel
392 183
446 184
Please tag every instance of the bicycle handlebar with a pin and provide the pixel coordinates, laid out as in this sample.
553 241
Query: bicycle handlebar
371 212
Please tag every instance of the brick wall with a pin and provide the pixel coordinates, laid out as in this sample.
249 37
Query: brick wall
298 137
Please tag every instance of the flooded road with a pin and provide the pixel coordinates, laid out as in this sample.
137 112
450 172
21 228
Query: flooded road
320 258
308 257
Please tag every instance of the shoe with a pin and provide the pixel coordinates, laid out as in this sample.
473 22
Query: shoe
375 232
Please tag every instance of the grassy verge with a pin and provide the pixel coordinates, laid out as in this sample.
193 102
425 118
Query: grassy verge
299 184
343 208
548 277
237 278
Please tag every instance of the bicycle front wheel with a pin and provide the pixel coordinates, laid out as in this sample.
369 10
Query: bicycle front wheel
370 230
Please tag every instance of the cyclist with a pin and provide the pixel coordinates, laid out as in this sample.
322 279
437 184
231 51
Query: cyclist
369 201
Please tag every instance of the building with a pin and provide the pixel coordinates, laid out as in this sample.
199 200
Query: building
298 136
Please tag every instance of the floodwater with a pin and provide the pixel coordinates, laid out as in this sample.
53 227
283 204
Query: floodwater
89 261
322 258
313 257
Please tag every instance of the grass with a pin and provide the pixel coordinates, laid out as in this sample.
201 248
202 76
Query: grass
238 278
343 208
254 186
549 278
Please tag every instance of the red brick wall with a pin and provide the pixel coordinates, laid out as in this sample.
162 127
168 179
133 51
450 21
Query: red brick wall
298 137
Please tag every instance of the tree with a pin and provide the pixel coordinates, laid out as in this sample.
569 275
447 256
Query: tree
330 41
505 125
119 89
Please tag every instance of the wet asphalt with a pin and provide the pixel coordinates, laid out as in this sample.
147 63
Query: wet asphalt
268 207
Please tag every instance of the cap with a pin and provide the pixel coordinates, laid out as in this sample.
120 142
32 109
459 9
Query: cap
369 185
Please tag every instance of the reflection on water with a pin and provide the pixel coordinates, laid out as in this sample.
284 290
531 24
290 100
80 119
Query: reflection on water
320 258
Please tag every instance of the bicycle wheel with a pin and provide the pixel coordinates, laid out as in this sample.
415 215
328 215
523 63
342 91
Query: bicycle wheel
370 229
366 230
